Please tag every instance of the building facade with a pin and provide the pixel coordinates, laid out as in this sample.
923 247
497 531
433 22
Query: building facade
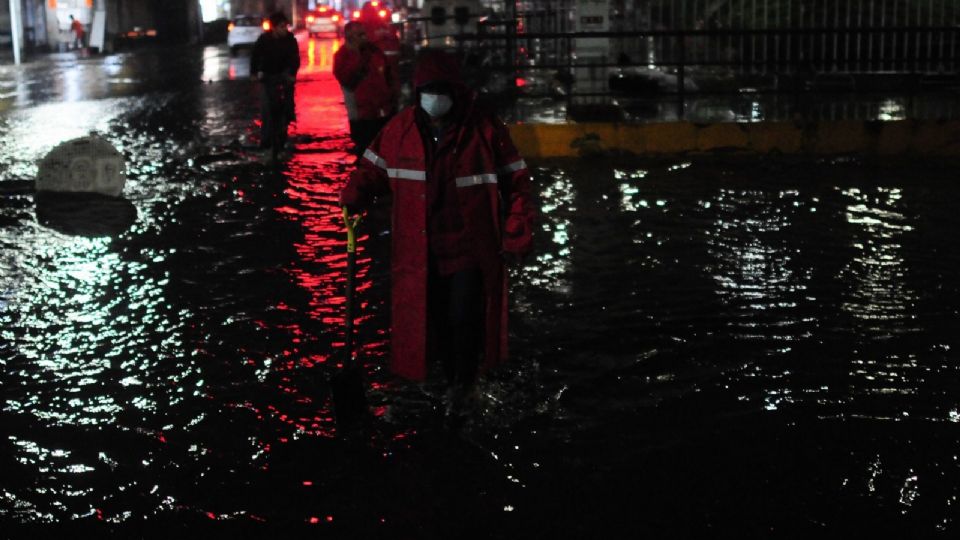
45 24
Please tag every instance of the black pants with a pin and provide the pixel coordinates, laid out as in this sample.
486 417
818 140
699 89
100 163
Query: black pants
270 103
362 132
455 304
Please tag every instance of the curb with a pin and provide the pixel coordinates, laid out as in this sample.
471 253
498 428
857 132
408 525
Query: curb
879 138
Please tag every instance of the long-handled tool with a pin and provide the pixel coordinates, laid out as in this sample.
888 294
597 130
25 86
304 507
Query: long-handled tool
349 398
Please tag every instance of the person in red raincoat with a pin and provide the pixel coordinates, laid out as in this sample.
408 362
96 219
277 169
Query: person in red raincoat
367 81
461 208
78 33
380 32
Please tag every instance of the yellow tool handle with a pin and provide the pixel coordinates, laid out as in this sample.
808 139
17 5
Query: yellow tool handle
351 224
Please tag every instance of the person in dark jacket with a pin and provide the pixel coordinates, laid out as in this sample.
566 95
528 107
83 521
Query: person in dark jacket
275 61
461 208
368 85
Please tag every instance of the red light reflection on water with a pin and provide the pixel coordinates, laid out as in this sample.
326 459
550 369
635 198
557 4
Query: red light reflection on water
319 54
312 179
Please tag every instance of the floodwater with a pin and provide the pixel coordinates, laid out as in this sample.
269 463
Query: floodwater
764 348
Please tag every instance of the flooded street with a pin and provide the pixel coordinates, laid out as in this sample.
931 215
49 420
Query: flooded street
700 347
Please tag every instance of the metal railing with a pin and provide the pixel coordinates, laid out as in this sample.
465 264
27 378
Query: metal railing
717 59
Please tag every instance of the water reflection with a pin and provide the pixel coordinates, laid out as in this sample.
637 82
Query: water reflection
751 273
881 291
630 198
319 56
557 196
679 321
213 64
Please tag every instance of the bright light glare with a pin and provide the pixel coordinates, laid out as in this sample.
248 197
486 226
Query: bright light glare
208 9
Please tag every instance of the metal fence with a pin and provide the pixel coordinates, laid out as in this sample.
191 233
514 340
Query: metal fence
819 35
751 35
678 50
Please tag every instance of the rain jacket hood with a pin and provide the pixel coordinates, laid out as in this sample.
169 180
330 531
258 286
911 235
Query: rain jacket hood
434 66
437 66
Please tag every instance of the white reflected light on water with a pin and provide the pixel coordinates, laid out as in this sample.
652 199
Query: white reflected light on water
557 196
629 191
880 291
751 272
83 334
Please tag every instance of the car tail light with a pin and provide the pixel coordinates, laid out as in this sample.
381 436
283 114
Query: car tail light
323 9
309 18
356 14
382 13
266 26
375 3
335 18
230 27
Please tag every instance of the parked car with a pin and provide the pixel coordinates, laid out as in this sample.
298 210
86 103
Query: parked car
244 30
324 20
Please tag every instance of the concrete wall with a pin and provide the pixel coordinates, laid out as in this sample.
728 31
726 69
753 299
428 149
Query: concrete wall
906 137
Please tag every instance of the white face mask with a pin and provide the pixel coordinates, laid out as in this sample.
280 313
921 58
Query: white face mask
436 105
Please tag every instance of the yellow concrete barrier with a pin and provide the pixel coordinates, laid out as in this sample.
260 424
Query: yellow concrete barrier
905 137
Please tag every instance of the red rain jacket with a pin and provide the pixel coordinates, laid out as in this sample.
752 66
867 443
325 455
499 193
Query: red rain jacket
77 28
380 32
492 199
366 73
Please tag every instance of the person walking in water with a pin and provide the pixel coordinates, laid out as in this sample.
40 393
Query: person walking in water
275 61
368 85
78 33
461 209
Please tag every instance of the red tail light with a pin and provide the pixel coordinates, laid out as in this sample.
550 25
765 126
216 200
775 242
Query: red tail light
266 26
356 14
335 18
309 18
323 9
382 13
230 27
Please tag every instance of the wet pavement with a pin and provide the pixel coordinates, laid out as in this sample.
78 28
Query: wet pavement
709 347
